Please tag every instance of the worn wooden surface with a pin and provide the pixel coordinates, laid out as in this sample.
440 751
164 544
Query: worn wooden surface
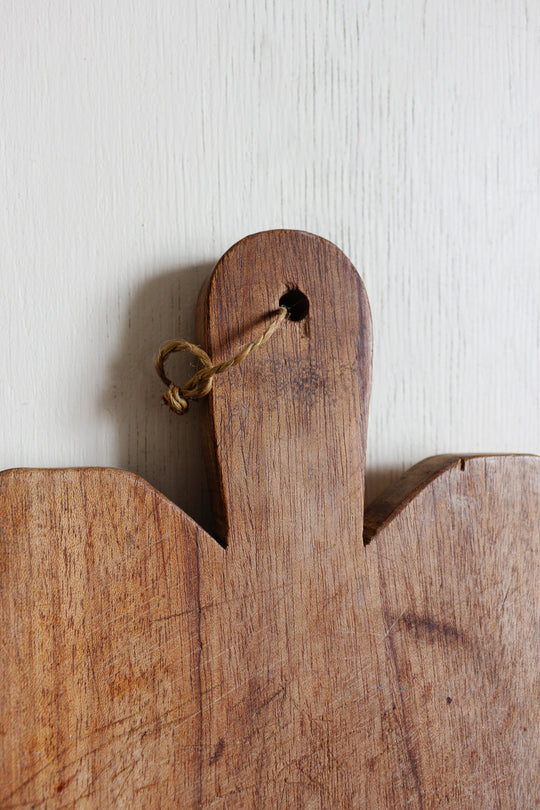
99 628
145 665
454 577
283 621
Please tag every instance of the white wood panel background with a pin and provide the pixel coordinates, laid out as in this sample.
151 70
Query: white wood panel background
141 139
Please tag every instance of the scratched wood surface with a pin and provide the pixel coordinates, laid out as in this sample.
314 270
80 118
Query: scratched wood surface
144 664
100 692
454 573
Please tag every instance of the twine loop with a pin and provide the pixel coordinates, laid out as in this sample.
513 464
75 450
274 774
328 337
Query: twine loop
201 383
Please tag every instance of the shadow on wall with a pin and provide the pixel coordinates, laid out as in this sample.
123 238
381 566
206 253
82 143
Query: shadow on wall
153 442
162 447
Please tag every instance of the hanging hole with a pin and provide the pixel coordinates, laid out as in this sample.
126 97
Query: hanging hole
297 304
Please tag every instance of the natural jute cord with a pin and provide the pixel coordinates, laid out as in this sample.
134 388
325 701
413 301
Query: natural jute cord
201 382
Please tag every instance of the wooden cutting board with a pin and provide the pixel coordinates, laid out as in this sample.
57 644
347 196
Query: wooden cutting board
146 665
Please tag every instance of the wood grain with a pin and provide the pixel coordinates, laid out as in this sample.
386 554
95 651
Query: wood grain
454 588
146 665
282 626
397 495
99 623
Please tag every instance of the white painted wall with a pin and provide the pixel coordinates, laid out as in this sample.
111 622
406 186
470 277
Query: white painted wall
141 138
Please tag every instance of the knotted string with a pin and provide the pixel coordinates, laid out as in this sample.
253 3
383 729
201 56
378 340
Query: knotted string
201 383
